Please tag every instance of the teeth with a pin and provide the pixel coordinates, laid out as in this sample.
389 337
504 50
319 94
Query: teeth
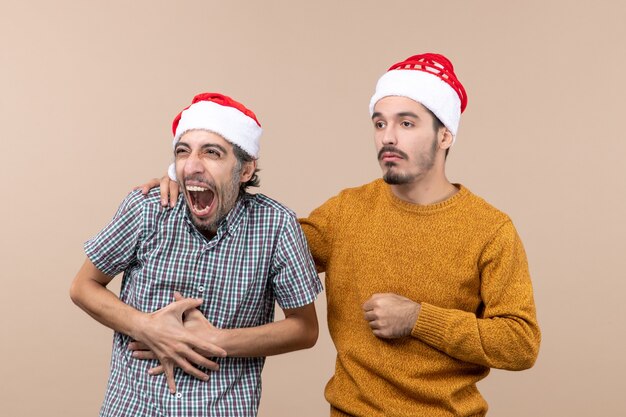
195 188
200 211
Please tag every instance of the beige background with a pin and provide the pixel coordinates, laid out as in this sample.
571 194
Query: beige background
88 91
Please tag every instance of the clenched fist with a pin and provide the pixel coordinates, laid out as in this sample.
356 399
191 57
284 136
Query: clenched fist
391 316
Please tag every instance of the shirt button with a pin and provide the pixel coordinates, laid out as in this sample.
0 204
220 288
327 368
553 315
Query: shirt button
179 395
201 288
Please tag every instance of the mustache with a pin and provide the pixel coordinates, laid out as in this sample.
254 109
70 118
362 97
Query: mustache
200 179
392 149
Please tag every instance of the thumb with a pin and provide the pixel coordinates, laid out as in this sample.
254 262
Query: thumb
186 304
178 297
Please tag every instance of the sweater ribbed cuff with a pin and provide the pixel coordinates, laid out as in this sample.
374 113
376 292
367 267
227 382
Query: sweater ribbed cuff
431 324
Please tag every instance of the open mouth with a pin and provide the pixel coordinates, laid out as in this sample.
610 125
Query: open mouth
200 199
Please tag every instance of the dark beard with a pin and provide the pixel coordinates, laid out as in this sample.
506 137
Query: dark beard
425 162
207 228
228 200
395 178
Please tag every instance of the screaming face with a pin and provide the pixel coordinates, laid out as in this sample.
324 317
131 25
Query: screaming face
210 175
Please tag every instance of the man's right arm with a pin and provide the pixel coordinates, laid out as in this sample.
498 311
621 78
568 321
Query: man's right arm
320 230
162 330
89 292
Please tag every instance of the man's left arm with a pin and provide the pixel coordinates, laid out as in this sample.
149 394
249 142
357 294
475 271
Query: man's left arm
298 330
295 284
504 335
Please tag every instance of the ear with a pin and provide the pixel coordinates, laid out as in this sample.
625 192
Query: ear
247 170
445 138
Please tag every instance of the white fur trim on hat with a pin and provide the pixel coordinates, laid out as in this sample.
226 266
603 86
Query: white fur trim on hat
226 121
427 89
171 171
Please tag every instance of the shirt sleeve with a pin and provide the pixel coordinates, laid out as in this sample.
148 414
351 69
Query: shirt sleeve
115 247
505 334
295 280
319 233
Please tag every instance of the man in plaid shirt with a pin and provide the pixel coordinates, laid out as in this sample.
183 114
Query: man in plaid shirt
201 278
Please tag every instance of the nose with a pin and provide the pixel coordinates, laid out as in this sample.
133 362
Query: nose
389 136
193 165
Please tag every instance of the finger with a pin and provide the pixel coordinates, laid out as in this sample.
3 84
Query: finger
381 333
374 325
195 314
137 346
145 188
186 304
164 184
373 302
144 354
196 373
188 368
200 360
177 297
157 370
174 191
168 368
368 305
370 315
208 349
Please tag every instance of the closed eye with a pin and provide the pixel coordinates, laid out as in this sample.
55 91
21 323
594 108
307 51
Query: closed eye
213 153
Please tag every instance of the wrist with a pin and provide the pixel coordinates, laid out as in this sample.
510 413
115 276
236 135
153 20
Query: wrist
216 336
413 317
137 325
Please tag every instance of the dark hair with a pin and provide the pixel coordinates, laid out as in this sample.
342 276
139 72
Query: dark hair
243 157
437 125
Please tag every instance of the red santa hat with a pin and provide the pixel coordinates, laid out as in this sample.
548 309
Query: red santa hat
430 80
222 115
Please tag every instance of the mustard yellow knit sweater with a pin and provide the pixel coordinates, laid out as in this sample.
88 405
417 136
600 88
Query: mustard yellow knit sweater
462 260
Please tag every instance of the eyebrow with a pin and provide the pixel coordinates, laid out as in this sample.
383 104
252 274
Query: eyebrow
214 145
401 114
407 114
204 147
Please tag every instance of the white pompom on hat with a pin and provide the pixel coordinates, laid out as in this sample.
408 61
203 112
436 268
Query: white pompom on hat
222 115
430 80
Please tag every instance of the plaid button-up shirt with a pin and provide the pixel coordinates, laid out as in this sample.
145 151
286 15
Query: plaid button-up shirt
258 256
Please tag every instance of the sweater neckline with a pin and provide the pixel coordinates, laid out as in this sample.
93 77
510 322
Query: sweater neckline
425 209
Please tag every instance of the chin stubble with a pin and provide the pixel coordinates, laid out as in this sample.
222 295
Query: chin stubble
424 163
227 199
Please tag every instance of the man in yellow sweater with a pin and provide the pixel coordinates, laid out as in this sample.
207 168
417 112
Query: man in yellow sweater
427 284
